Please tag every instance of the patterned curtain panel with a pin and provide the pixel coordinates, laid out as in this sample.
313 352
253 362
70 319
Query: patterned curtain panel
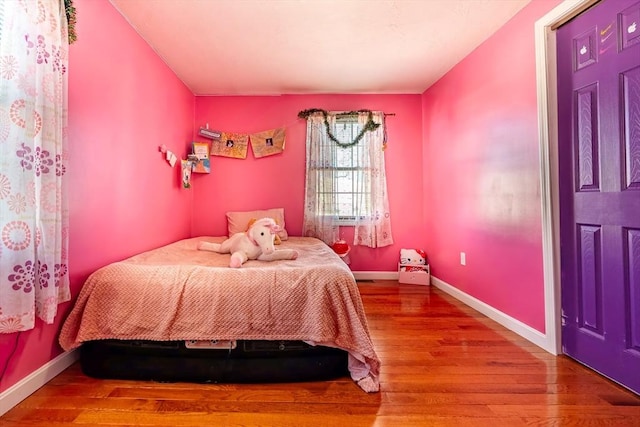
320 205
373 226
33 155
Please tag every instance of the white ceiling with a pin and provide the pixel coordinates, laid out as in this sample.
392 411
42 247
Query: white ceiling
271 47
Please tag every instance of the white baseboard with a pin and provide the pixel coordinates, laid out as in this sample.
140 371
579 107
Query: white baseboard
375 275
32 382
514 325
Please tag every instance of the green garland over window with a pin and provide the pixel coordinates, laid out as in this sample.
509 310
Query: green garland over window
370 125
71 20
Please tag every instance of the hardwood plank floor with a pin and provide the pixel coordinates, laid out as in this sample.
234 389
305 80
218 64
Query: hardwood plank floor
443 364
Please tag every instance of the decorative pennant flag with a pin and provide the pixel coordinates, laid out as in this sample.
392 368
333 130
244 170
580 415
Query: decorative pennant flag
268 143
171 158
231 145
186 173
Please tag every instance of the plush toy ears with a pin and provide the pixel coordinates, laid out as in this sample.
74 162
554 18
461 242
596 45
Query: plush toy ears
275 228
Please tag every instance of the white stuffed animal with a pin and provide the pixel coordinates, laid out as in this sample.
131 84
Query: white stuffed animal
413 257
256 243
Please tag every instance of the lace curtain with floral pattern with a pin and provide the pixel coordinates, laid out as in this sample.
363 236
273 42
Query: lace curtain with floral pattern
320 213
373 225
33 199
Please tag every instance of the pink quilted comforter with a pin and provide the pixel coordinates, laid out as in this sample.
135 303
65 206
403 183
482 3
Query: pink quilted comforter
179 293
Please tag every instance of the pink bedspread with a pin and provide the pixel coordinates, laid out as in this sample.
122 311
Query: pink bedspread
179 293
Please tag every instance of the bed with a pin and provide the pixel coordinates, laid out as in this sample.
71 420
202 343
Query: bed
178 314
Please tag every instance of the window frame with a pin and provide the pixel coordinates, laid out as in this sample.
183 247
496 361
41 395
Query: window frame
346 136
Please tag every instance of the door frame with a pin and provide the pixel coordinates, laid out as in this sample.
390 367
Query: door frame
546 83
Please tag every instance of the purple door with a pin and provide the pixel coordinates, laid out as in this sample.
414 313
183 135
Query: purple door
599 174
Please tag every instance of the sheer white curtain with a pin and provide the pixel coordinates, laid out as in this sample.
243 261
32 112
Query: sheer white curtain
320 205
373 226
33 199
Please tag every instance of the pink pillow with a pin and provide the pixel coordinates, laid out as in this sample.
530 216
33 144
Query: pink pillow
237 222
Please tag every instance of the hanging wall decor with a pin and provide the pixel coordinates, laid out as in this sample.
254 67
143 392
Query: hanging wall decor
231 145
169 156
201 152
210 133
187 166
268 142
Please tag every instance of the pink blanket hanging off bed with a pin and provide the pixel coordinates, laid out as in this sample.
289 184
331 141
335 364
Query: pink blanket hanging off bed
179 293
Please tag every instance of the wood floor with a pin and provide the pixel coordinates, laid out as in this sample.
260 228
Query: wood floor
443 364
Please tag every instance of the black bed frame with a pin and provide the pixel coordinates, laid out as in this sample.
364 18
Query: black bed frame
248 362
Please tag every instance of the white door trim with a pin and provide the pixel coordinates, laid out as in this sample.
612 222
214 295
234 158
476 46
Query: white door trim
546 78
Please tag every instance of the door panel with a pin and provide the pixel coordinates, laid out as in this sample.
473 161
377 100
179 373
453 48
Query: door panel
590 293
631 99
599 174
632 279
587 150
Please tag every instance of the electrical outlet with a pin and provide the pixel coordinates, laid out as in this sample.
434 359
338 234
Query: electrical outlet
463 258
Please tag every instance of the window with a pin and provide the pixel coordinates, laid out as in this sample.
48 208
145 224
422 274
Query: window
345 173
346 179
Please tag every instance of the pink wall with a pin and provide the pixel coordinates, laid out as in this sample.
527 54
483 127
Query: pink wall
278 181
124 198
482 191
